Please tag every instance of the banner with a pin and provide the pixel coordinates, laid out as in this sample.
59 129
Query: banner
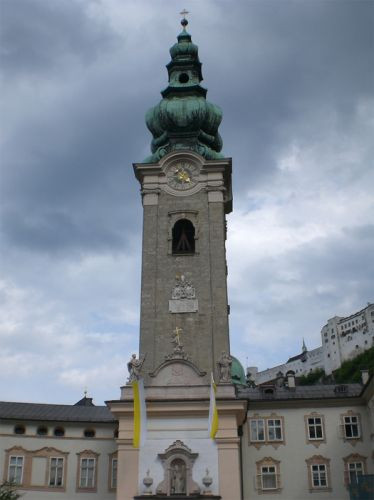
140 416
213 413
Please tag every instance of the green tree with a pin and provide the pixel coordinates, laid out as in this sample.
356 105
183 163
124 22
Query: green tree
8 491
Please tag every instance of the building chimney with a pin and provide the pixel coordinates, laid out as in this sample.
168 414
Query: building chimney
291 379
364 376
280 379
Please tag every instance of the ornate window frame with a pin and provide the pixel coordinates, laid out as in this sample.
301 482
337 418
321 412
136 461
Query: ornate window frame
343 423
315 441
275 443
87 455
46 452
318 460
351 459
266 463
15 452
112 457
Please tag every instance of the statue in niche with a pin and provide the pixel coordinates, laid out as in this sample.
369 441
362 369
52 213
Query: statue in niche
134 367
224 367
178 478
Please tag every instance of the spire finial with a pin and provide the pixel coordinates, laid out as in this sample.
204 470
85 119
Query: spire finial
304 348
85 392
184 21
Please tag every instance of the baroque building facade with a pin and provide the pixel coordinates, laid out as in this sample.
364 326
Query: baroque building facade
342 338
265 435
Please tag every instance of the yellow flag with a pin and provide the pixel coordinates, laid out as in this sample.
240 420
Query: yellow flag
213 413
140 416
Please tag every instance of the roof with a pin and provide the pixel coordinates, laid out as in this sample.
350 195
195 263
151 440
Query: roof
319 391
58 413
295 358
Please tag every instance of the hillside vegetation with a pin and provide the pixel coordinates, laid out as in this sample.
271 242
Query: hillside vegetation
349 372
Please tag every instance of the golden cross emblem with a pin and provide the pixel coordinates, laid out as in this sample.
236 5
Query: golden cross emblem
177 332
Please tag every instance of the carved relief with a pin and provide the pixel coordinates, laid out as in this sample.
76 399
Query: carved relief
183 297
178 461
224 367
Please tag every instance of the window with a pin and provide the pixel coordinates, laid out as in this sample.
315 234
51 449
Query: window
42 430
15 470
319 473
19 429
274 430
268 478
319 476
56 472
266 430
351 427
354 466
87 473
183 236
113 480
268 475
257 430
315 428
355 469
89 433
59 432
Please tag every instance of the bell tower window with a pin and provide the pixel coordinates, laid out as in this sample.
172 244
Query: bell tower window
183 237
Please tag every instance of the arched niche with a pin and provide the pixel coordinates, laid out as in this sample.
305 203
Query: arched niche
177 462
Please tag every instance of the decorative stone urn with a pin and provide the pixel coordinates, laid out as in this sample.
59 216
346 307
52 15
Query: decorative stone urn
148 481
207 481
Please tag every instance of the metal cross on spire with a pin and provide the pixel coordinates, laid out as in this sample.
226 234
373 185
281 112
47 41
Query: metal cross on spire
184 13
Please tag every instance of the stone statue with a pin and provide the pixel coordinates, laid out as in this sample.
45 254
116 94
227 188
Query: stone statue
178 478
134 367
224 367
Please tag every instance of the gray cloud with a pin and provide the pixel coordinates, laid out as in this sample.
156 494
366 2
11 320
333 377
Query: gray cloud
295 81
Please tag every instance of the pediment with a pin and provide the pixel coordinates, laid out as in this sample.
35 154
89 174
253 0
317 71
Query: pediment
177 372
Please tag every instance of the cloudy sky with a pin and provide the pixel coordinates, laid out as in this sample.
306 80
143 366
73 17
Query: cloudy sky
295 81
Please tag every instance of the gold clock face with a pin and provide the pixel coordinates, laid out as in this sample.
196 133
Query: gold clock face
182 175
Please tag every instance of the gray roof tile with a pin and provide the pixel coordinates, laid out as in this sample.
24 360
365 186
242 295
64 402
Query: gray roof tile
302 392
58 413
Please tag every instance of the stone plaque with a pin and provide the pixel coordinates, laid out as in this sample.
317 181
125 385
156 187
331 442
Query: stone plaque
183 305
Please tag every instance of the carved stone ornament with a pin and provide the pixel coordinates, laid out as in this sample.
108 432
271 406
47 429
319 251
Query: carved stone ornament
224 367
134 367
148 481
183 297
177 462
207 481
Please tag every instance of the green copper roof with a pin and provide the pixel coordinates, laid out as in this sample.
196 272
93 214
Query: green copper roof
184 119
237 372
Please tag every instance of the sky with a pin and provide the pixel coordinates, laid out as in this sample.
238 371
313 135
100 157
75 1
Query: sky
295 80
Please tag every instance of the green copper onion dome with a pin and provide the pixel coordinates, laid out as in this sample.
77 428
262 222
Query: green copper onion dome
184 119
237 372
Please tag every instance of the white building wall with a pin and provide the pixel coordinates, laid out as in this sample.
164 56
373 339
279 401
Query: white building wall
72 443
345 338
162 432
313 360
292 454
342 339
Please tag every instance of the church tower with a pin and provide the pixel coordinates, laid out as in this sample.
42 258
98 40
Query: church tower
186 192
184 335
